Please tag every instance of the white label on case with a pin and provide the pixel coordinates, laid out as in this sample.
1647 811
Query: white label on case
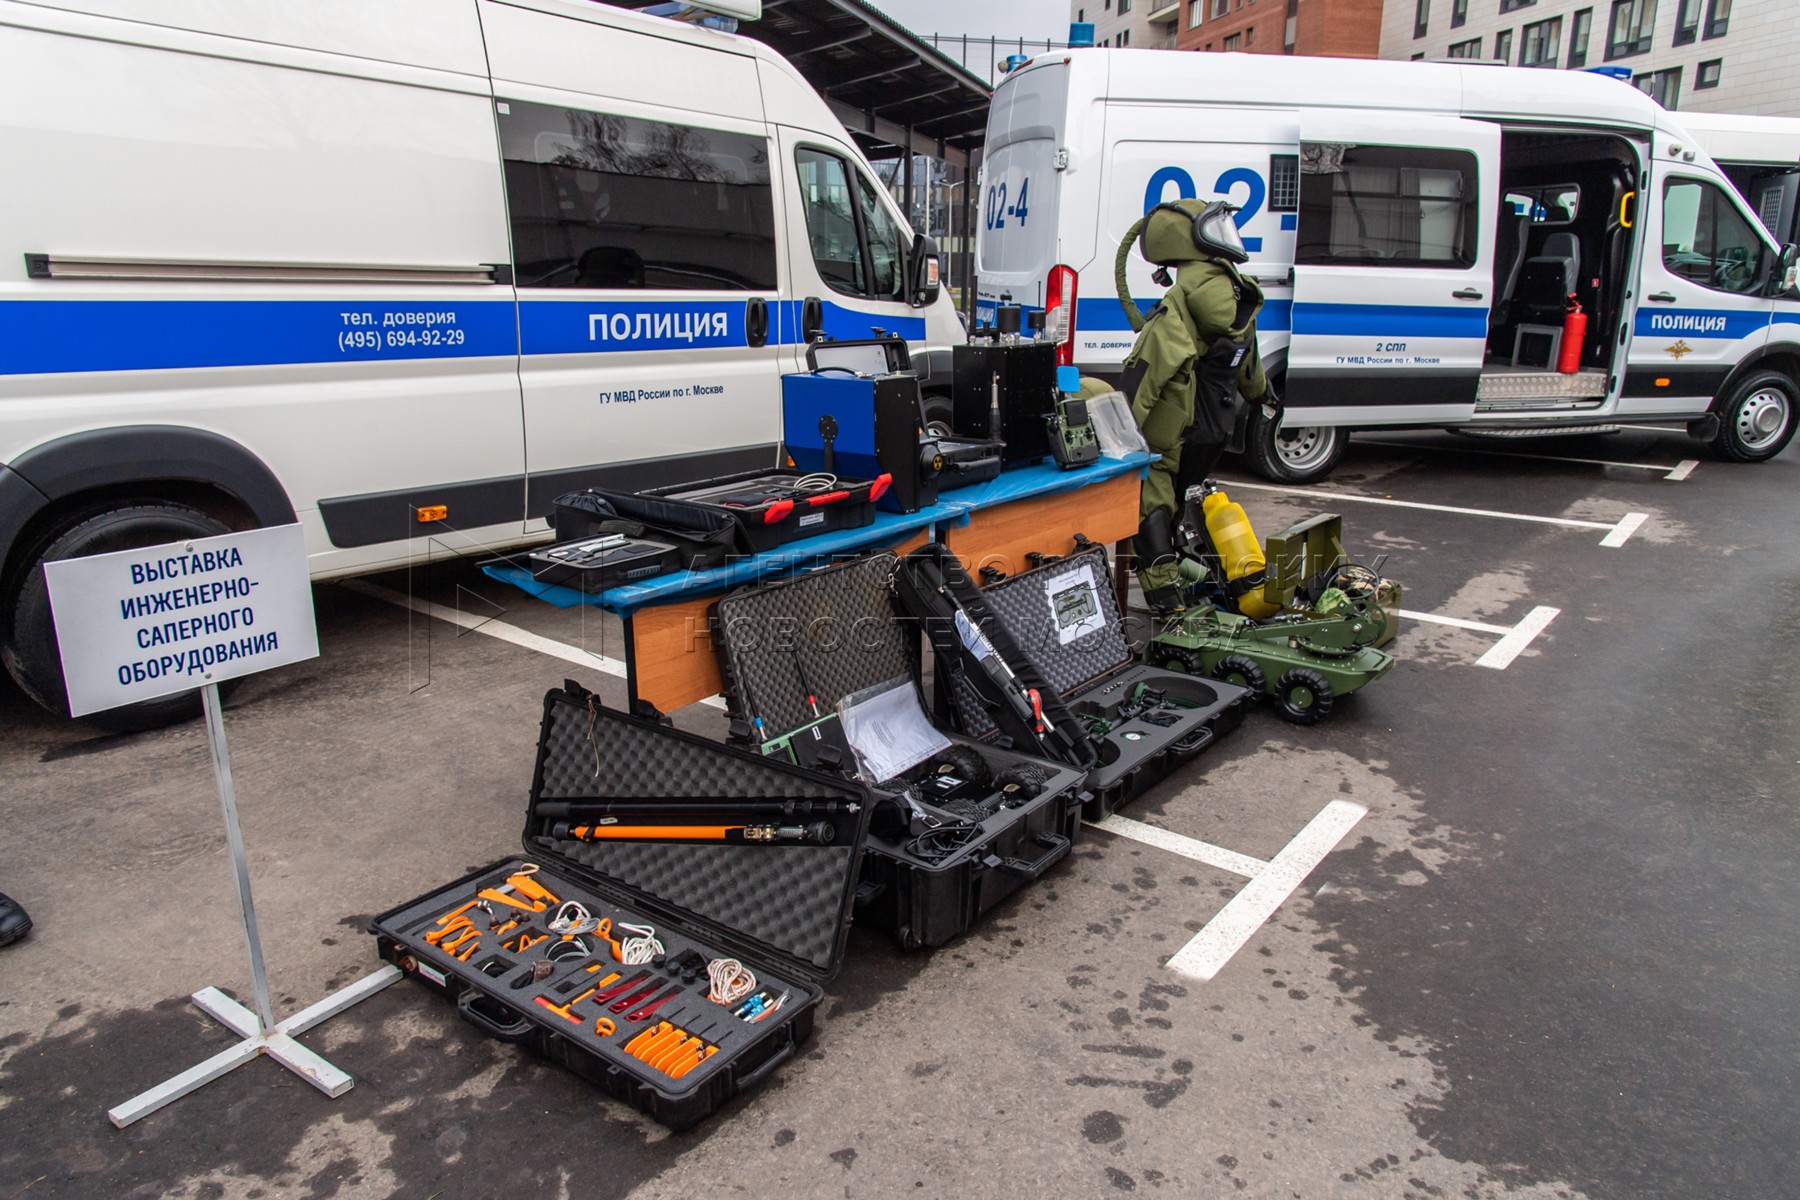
432 973
812 519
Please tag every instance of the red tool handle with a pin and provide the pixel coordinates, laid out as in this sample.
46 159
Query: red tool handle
661 1000
777 512
639 998
827 498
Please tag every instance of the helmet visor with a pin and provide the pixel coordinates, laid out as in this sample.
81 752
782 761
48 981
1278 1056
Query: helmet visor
1218 233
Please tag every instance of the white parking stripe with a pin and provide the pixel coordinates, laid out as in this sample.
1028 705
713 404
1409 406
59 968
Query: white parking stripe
496 628
1210 949
1679 471
1456 622
1187 847
1568 522
1500 656
1621 533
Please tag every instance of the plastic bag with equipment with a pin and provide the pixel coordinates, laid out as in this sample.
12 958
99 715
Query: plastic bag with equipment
1111 413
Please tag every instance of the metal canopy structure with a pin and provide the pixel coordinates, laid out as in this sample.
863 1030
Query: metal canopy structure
892 90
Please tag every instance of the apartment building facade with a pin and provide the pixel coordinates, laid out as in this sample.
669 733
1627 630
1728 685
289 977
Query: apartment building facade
1707 55
1335 28
1131 24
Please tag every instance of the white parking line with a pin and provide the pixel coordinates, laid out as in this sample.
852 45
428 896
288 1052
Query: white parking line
1678 472
496 628
1210 949
1616 533
1500 656
1187 847
1456 622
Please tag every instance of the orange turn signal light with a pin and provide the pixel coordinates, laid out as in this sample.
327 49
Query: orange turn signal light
433 512
1662 383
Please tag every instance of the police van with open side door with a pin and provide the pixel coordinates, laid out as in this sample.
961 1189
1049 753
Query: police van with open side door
403 272
1417 229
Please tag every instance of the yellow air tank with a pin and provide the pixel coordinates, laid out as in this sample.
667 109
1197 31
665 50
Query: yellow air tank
1239 551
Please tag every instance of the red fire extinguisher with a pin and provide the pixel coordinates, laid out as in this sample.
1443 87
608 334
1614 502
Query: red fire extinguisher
1574 332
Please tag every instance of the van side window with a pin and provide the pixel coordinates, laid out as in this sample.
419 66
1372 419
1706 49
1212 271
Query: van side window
1386 206
1706 240
603 201
860 250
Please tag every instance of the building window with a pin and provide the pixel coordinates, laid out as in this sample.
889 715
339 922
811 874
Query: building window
1543 41
1579 27
1706 75
1386 206
1249 36
1124 7
1220 8
1459 13
1507 6
1718 18
1664 87
1633 22
1233 41
602 201
1284 183
1468 49
1687 22
1125 37
1196 13
1706 241
1503 46
1421 17
1419 57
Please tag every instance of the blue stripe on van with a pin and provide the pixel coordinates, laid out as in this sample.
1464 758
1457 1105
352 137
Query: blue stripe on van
1389 320
1105 314
39 337
1730 324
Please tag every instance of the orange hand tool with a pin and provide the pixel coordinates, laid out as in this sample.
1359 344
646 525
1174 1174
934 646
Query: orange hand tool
455 912
562 1010
526 942
438 935
532 888
671 1037
688 1046
604 1027
637 1043
681 1070
535 906
470 952
470 934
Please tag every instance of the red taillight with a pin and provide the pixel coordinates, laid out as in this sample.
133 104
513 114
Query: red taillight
1059 312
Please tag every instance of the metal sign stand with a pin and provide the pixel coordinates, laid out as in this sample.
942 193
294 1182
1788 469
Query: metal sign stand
258 1029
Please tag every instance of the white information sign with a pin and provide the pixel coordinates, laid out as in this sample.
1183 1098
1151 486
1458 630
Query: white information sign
139 624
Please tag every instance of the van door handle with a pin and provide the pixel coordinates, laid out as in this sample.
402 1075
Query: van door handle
812 319
1466 294
1662 297
756 321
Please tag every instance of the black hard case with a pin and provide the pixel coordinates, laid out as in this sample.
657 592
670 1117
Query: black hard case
851 639
1094 674
765 526
1017 378
782 910
703 537
633 560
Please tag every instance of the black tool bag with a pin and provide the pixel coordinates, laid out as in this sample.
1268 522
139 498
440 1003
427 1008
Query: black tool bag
932 869
1063 621
782 910
702 537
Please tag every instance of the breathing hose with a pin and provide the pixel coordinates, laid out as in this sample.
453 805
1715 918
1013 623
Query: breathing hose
1132 312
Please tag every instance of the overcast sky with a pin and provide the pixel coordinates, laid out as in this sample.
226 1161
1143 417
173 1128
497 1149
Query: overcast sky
1005 18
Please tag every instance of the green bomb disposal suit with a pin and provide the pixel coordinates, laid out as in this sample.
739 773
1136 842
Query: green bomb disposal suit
1192 368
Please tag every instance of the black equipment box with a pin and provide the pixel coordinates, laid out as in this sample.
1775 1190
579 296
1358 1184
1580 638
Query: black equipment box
859 411
943 848
703 537
781 910
778 506
1005 388
598 563
1145 720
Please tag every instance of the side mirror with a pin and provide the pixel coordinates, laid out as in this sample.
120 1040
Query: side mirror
1782 280
922 272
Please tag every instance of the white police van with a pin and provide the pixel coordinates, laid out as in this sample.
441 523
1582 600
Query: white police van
1416 228
404 272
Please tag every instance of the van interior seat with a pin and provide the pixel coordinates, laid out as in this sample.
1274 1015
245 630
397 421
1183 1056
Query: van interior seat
1549 278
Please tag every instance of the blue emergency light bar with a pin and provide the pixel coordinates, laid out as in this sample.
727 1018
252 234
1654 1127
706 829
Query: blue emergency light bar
1081 34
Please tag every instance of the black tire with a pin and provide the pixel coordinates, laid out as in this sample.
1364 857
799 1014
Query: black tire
1179 658
1756 417
964 763
1242 670
1304 696
1303 454
938 413
30 651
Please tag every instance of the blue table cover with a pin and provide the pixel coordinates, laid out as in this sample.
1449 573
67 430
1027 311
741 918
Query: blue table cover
1039 479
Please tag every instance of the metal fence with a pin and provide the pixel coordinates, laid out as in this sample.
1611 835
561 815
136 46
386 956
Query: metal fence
983 56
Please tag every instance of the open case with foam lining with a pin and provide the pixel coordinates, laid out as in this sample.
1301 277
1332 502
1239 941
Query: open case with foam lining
945 846
1144 720
660 1042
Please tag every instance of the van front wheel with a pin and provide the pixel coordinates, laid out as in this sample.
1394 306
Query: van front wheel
1756 419
30 650
1295 454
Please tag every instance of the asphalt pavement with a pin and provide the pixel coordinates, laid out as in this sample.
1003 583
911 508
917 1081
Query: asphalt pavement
1554 959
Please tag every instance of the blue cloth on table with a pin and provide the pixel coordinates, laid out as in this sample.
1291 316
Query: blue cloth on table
955 508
